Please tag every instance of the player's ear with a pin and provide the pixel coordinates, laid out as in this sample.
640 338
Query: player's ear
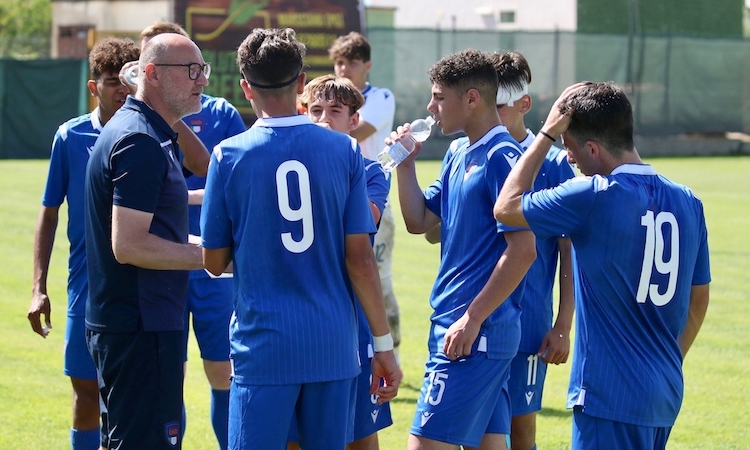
525 104
301 83
91 84
594 149
473 97
246 88
354 120
368 64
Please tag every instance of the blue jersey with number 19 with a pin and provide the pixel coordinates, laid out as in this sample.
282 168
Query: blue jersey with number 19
283 195
640 245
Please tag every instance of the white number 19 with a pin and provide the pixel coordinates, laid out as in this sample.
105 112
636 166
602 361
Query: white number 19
653 257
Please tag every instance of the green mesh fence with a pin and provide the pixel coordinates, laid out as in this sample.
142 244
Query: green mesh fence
678 85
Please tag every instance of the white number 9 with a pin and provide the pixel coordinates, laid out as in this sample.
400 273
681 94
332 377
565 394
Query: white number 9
303 213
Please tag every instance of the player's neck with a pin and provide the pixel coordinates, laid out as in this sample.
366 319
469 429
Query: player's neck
518 131
477 127
275 107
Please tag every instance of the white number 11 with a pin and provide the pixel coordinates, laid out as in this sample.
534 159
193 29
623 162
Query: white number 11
653 257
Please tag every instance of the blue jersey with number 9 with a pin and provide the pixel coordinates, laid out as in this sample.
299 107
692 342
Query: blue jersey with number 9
283 195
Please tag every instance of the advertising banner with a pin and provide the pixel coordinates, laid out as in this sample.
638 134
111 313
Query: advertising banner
220 26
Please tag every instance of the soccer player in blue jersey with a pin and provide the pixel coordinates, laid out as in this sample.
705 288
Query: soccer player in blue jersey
641 268
209 300
333 102
286 202
542 342
137 249
71 146
351 59
476 297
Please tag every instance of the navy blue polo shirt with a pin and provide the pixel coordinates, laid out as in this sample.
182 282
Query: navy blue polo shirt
135 165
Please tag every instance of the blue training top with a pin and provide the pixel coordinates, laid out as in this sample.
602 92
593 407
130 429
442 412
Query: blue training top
134 164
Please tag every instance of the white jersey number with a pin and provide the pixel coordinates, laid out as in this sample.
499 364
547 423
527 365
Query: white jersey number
533 365
653 257
303 213
437 381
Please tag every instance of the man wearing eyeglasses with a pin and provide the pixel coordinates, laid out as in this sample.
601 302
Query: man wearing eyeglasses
137 248
209 300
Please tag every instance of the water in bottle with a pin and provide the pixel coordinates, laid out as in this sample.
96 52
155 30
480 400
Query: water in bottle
392 155
131 75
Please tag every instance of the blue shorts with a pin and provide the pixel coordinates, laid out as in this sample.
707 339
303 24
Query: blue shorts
260 417
526 383
141 387
593 433
209 301
77 359
461 401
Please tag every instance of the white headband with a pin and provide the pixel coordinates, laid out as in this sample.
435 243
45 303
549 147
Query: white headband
509 96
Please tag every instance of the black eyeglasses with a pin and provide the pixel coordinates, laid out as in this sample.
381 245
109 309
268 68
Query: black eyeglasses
194 69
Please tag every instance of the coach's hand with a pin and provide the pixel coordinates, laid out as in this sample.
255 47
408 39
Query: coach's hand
385 367
40 306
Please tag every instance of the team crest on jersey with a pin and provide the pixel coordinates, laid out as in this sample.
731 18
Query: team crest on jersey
172 431
196 124
470 169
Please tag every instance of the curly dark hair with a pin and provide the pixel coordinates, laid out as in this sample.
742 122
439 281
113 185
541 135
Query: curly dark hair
601 112
271 56
110 54
469 69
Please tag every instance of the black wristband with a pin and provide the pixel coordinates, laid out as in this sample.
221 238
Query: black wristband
545 134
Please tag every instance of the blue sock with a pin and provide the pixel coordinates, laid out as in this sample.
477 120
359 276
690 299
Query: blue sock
85 440
220 416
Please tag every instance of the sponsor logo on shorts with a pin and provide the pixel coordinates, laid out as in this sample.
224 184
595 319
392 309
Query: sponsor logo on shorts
374 415
529 396
172 430
426 416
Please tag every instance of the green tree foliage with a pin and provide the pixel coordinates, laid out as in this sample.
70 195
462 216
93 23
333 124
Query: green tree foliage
25 27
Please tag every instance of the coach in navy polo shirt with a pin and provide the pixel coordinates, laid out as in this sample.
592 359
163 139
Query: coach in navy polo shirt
137 249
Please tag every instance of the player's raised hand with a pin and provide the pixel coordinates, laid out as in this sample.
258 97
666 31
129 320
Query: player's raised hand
558 118
40 306
385 367
397 135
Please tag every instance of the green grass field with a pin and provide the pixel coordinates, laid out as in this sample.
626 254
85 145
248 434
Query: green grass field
35 395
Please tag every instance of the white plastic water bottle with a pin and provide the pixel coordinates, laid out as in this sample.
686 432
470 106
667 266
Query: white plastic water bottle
392 155
131 75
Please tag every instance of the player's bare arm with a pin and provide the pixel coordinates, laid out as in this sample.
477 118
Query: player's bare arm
505 277
696 314
417 217
362 131
362 268
44 238
132 243
217 260
196 156
555 347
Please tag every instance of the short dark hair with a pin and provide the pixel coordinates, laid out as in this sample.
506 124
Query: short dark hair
270 56
469 69
601 112
351 46
334 90
110 54
512 70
